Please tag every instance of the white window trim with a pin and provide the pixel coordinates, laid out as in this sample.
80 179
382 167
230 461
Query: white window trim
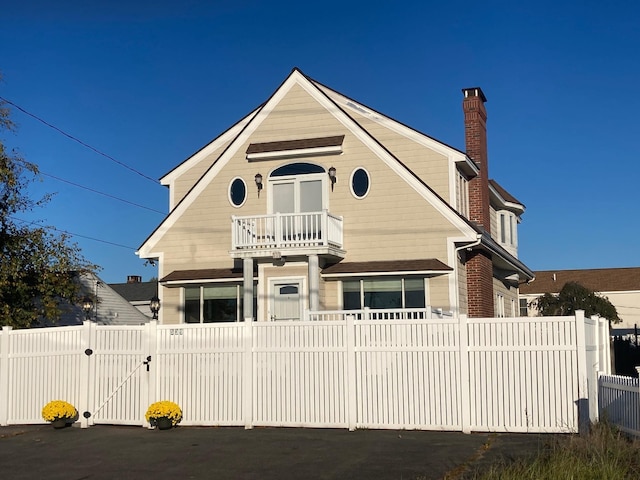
246 192
351 183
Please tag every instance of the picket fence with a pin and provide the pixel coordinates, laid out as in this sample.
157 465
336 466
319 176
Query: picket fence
464 374
619 401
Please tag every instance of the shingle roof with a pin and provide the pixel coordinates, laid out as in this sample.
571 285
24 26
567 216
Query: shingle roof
503 193
202 274
390 266
135 292
597 280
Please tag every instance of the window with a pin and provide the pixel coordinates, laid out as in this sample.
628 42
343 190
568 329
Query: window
383 293
297 188
237 192
524 307
214 303
360 183
462 195
499 305
507 229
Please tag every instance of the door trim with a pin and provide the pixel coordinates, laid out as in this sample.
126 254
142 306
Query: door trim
304 297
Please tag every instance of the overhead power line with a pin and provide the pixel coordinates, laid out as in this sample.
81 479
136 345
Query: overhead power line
73 234
101 193
79 141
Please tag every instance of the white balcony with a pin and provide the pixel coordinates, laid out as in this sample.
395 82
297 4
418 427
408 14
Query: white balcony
287 234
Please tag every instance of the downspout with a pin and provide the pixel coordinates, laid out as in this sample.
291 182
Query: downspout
475 243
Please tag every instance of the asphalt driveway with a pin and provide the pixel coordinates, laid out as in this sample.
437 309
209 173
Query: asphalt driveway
116 452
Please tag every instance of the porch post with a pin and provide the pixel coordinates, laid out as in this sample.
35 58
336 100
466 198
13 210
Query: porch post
314 283
247 287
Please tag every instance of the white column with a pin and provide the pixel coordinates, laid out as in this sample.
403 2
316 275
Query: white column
314 283
247 286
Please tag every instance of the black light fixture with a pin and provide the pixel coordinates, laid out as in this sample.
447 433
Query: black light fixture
154 306
332 176
258 179
87 306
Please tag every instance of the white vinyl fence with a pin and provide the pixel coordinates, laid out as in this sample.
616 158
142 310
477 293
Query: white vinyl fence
347 369
619 399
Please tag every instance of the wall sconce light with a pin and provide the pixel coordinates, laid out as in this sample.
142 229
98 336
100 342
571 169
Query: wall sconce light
154 306
87 306
258 179
332 176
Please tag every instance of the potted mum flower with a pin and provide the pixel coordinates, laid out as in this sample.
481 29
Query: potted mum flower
164 414
59 413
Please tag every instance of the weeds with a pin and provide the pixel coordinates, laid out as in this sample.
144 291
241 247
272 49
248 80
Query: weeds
604 453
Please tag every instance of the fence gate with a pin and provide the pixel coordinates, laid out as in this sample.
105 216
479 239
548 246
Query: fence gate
119 359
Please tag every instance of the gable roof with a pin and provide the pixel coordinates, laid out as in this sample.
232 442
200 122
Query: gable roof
327 98
298 78
597 280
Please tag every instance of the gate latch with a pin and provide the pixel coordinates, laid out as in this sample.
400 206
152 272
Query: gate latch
147 362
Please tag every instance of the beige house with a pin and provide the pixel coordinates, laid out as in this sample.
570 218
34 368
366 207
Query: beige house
621 286
314 201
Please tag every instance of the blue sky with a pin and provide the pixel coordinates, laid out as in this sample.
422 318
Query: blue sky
150 83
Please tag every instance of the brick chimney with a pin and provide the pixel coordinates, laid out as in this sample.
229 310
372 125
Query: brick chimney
134 279
479 264
475 132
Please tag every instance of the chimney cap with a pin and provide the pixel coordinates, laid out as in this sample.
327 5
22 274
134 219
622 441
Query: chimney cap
474 92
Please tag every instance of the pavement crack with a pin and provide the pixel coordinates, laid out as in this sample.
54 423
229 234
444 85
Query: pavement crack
458 472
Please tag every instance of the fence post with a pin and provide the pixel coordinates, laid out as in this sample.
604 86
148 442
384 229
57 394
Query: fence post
352 391
148 393
465 375
583 374
247 374
593 369
4 374
84 407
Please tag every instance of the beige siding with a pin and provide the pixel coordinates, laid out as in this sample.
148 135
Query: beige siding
171 311
510 294
393 222
462 287
430 166
188 179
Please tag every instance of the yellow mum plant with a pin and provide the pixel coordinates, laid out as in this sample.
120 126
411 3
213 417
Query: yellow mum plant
166 409
57 409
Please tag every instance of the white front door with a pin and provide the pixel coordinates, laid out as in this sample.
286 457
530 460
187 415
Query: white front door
286 300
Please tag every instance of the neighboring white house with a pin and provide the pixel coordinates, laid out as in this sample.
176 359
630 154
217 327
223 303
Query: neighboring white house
110 309
620 285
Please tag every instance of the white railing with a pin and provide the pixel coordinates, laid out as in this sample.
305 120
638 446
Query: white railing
286 230
354 369
378 314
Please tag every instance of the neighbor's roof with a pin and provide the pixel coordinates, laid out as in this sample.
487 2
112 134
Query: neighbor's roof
597 280
136 292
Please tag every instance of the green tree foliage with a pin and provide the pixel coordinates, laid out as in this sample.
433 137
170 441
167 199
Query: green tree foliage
38 267
572 297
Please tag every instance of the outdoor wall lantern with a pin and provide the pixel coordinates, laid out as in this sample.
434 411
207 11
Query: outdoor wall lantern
332 176
154 306
87 306
258 179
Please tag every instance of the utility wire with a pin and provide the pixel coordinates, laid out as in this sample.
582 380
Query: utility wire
79 141
101 193
74 234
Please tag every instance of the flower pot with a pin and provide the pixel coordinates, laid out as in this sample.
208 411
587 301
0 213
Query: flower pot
60 423
164 423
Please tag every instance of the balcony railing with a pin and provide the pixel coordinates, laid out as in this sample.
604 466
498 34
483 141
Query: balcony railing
286 231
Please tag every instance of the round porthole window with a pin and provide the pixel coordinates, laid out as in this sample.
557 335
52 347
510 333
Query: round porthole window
360 182
237 192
